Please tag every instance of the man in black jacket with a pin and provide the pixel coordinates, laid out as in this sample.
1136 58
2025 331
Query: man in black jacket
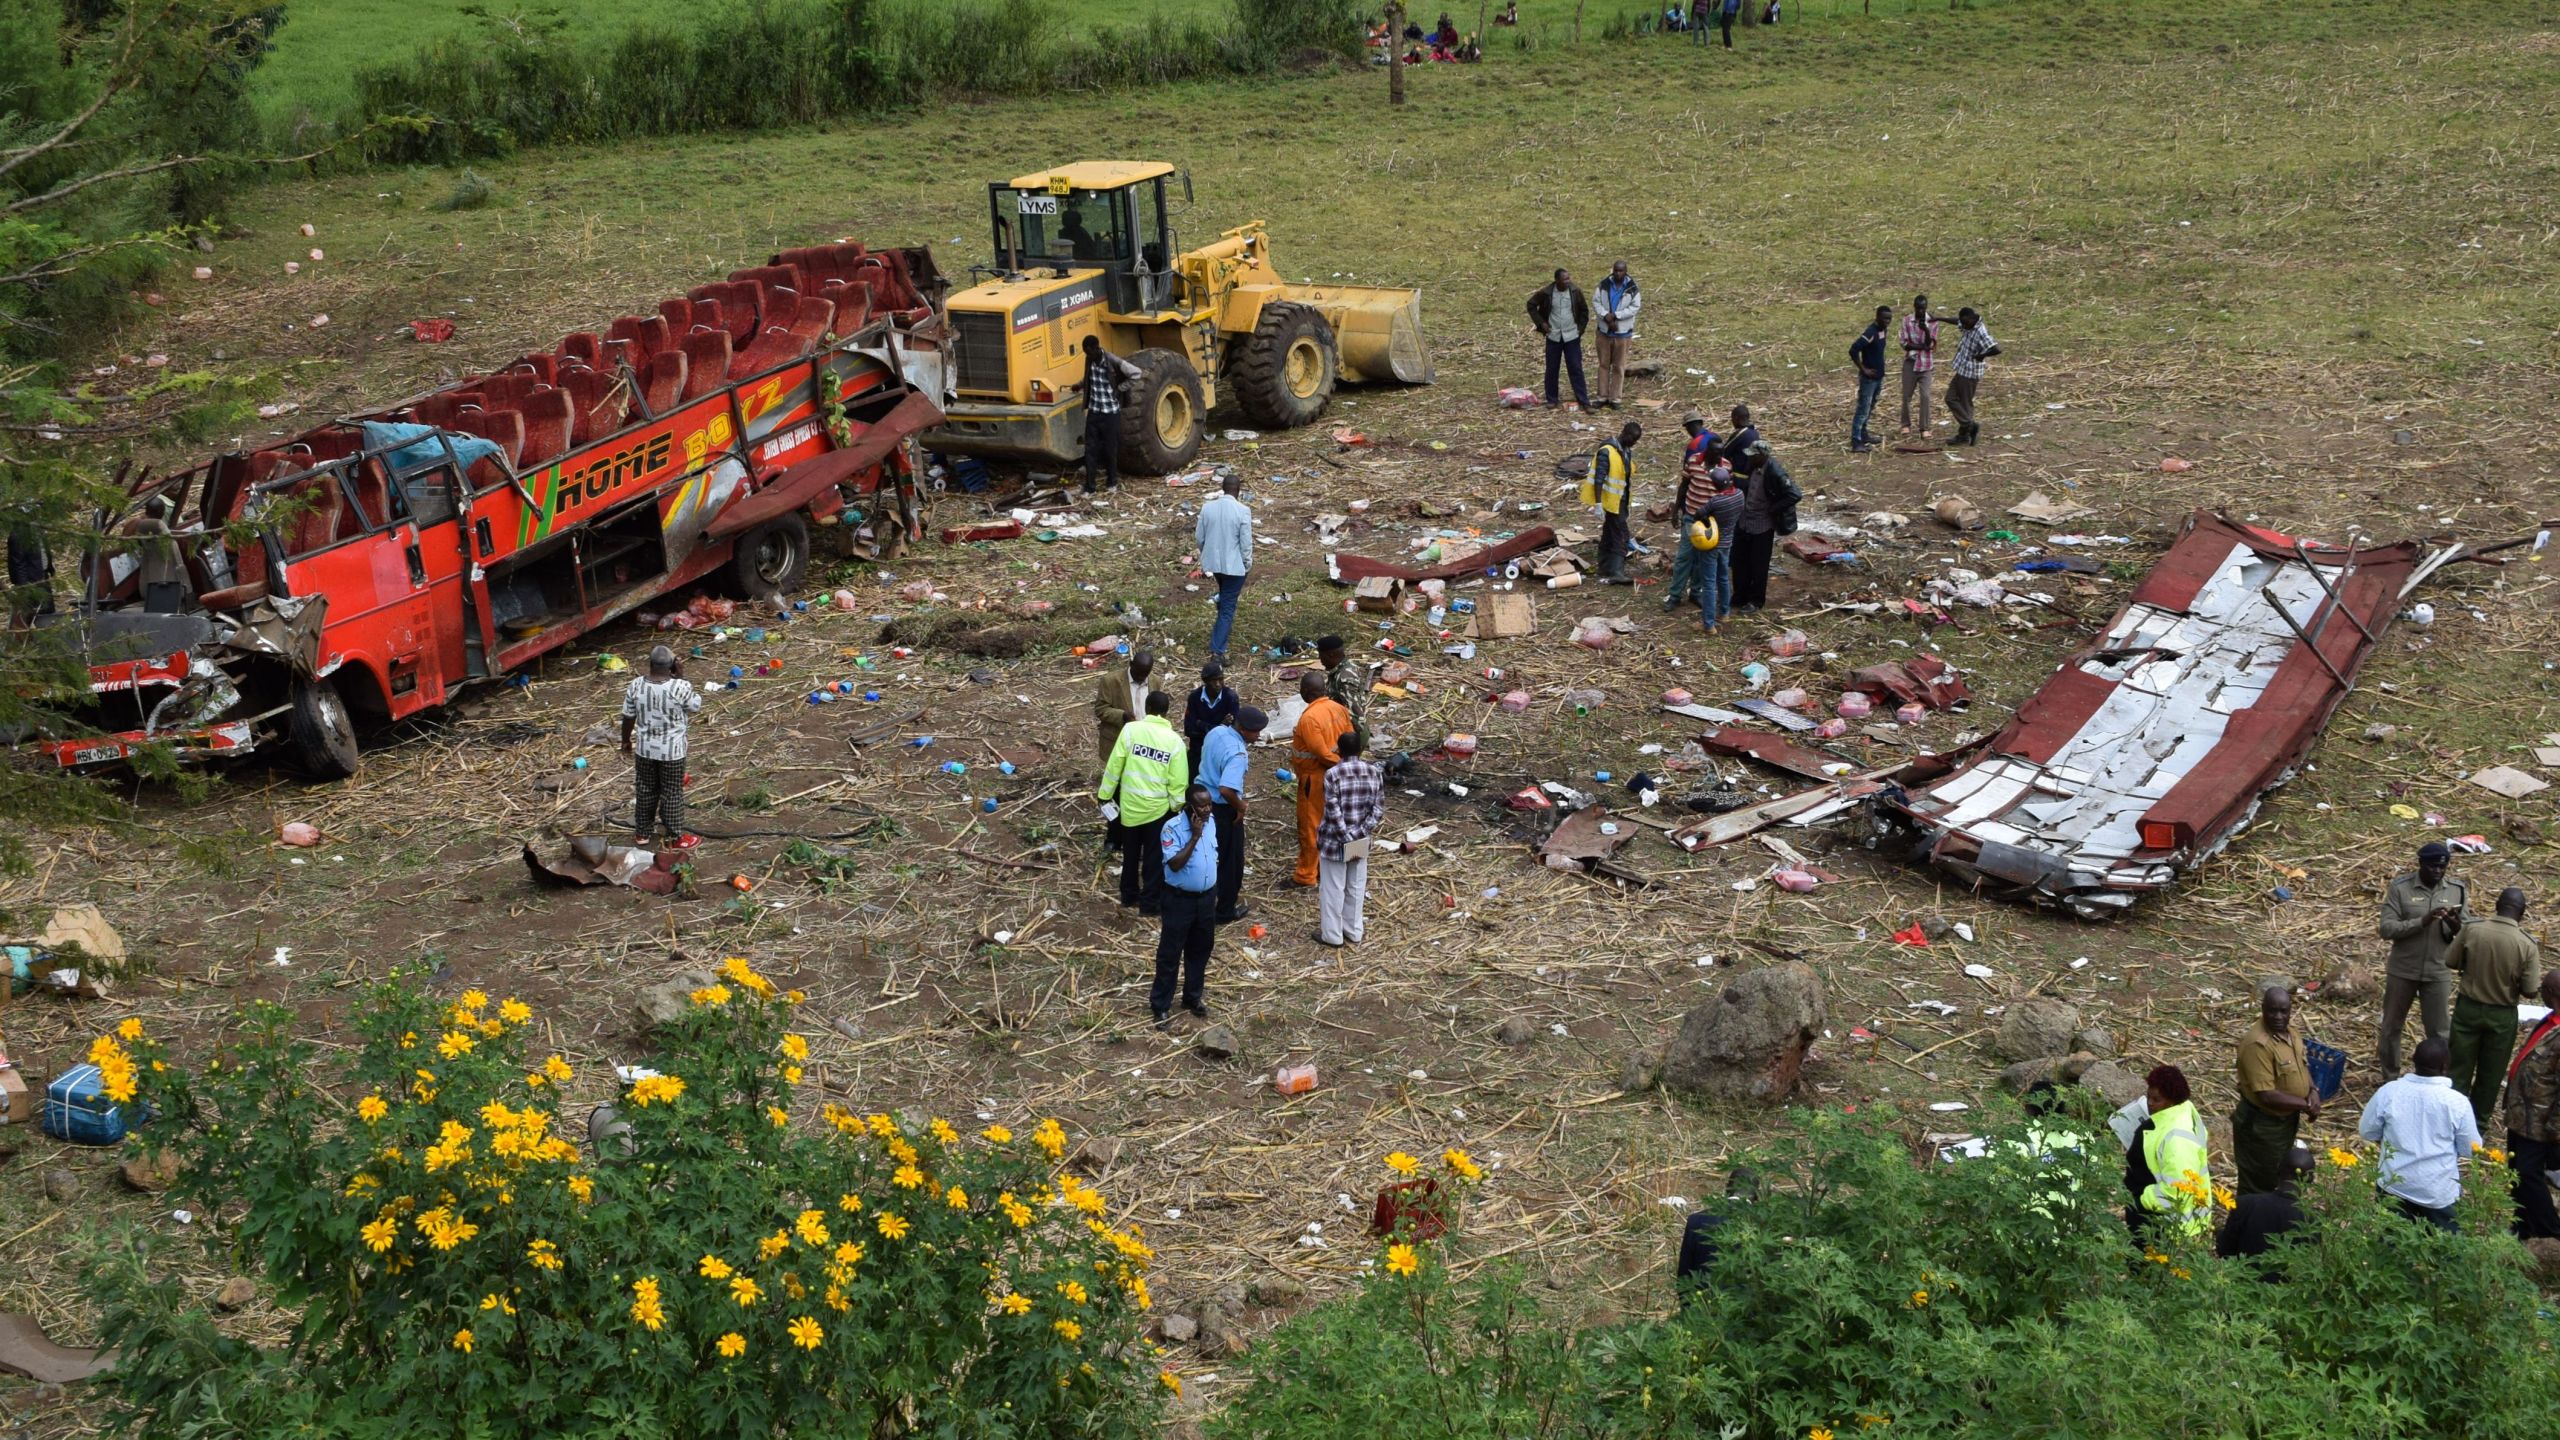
1561 314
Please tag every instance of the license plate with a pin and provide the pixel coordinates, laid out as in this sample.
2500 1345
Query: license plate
1039 204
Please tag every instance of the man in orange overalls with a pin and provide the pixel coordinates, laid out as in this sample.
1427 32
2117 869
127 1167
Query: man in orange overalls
1314 749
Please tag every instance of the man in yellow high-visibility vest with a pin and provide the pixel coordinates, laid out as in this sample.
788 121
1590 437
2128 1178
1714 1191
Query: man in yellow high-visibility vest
1141 785
1613 473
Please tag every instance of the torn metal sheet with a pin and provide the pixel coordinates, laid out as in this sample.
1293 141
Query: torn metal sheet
1773 712
1344 569
1924 679
591 861
2147 751
1775 750
1708 713
1580 837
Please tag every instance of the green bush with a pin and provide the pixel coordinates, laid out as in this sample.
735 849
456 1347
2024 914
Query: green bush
1864 1295
457 1266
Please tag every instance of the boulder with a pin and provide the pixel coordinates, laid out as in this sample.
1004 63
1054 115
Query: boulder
1518 1030
2352 984
1179 1328
1276 1290
61 1186
235 1295
2117 1085
668 1001
153 1174
1642 1071
2546 1259
2071 1067
2036 1027
1095 1153
2025 1073
2097 1041
1749 1042
1215 1043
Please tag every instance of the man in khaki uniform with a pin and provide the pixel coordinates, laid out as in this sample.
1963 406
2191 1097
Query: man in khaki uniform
2421 914
2496 967
1120 698
2275 1096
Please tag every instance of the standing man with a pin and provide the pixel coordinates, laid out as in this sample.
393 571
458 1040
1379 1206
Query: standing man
1562 313
1867 354
1699 24
2425 1129
1688 503
1140 786
657 710
1314 748
1620 299
1121 698
1189 845
1349 680
1614 472
1757 543
1208 707
1222 769
2496 967
2533 1120
2275 1096
1225 538
1973 346
1725 504
1725 18
1745 435
1919 357
2421 914
1355 798
1104 373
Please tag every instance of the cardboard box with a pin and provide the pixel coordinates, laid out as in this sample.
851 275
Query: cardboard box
1503 616
1378 594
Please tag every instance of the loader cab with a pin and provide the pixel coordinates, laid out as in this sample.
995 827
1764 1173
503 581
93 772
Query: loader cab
1114 216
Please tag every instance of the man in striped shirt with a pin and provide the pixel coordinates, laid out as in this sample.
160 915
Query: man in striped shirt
1104 373
1355 799
1973 346
1919 357
656 710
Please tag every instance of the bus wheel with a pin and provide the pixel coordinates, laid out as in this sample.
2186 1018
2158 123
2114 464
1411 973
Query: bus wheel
320 736
771 559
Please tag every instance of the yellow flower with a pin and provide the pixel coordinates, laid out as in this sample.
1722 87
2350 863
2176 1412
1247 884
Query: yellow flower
795 1046
1016 1304
795 997
880 1125
493 1029
1074 1292
710 995
462 1341
1171 1381
2343 1159
514 1011
1401 1260
1051 1137
812 1226
2180 1272
902 1152
996 1135
791 1074
907 1178
780 1117
379 1232
714 1268
454 1044
583 1188
745 1291
942 1132
805 1332
1818 1432
891 1225
1867 1420
130 1030
2225 1198
733 1345
1068 1328
849 1253
956 1198
1919 1298
1462 1164
773 1244
1403 1164
371 1108
644 1303
557 1069
475 999
656 1088
849 1204
1015 1211
543 1254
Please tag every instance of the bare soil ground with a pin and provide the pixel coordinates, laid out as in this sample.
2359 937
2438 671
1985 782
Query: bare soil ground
2290 418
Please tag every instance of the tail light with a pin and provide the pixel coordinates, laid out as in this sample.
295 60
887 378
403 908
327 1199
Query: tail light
1041 394
2160 835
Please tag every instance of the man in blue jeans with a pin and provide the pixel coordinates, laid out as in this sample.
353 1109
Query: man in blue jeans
1867 353
1731 9
1715 567
1225 538
1562 312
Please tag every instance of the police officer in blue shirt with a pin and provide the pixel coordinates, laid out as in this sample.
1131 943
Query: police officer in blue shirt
1190 840
1222 769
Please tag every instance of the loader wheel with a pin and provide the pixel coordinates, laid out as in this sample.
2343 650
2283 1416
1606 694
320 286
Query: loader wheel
1286 374
770 559
320 736
1161 422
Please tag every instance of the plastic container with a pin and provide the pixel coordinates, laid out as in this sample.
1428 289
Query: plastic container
1855 706
1514 703
1294 1079
1794 882
2328 1065
1585 701
1792 698
1676 696
1831 729
1912 714
77 1110
1788 643
1459 743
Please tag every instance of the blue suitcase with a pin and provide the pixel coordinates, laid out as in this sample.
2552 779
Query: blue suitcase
76 1108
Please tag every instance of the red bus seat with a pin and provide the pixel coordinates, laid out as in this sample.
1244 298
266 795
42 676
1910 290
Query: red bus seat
503 426
706 362
648 334
597 404
548 422
662 389
581 347
737 302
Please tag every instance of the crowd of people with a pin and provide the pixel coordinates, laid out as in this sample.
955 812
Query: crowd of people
1442 43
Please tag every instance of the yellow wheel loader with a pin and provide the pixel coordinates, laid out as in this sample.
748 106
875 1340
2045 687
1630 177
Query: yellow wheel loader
1089 249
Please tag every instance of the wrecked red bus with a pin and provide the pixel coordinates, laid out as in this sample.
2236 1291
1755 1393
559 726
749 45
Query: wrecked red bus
369 568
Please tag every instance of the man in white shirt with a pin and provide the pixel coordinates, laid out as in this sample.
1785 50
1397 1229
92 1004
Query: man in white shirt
1225 538
656 713
2426 1130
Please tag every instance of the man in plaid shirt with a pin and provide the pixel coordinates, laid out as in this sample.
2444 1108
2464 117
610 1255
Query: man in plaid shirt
1355 797
1919 357
656 709
1973 346
1104 373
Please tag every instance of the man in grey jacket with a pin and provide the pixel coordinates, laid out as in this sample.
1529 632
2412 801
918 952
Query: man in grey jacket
2421 914
1620 299
1562 313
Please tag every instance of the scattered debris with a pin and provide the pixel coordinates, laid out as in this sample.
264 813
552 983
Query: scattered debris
594 861
2507 781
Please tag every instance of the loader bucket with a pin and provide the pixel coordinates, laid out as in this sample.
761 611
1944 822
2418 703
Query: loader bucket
1376 329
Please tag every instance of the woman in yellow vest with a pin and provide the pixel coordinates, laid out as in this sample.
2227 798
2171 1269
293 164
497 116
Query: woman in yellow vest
1613 474
2165 1165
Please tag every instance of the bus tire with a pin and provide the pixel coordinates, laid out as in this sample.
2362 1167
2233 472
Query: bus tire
771 559
319 733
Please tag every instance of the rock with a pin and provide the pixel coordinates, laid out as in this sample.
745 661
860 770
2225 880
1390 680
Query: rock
2071 1067
2017 1078
2036 1026
2352 984
2380 732
666 1002
1749 1042
1215 1043
1095 1153
1518 1030
152 1175
1937 927
1180 1328
61 1186
236 1294
1276 1290
2096 1041
2117 1085
2546 1259
2404 437
1642 1071
1218 1336
2523 831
